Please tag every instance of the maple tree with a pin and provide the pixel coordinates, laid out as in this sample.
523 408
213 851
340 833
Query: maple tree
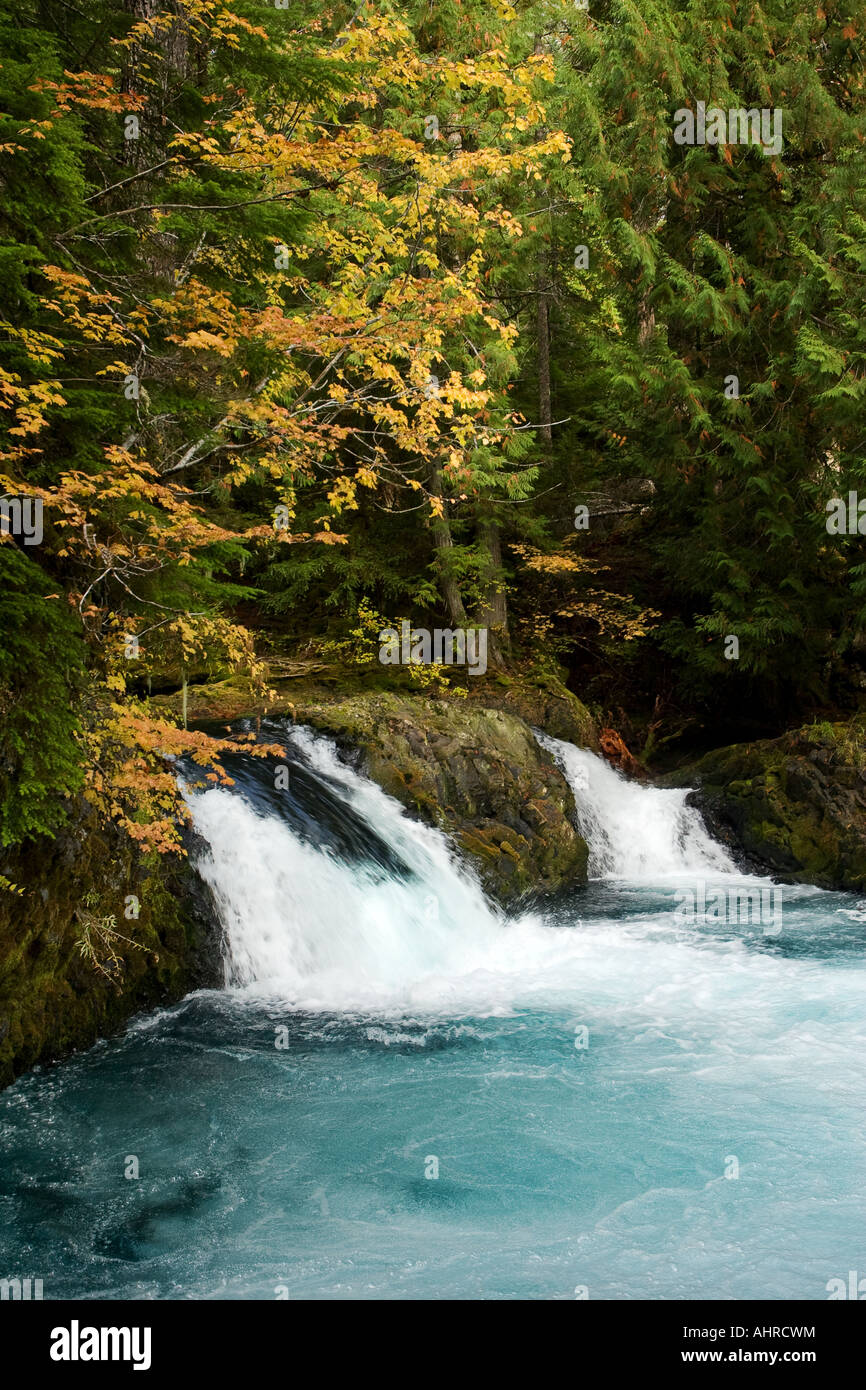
352 354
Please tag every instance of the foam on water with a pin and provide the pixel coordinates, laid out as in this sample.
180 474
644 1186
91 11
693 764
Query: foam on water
328 933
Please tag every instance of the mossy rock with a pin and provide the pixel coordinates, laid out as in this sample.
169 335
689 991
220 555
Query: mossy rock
794 806
543 702
462 763
539 699
53 999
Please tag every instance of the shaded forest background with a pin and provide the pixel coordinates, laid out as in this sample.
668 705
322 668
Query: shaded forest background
316 317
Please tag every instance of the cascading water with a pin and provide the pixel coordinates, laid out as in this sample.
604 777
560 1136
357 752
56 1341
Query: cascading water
326 930
404 1093
330 932
635 832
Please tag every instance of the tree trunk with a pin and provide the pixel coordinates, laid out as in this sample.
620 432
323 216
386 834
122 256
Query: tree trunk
493 613
543 317
443 545
645 219
646 319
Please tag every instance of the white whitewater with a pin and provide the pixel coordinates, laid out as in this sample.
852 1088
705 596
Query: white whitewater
326 934
635 832
334 933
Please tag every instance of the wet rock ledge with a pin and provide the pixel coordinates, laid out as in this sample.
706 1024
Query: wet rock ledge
468 765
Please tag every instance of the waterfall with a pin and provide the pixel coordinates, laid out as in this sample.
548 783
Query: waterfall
333 897
635 832
334 929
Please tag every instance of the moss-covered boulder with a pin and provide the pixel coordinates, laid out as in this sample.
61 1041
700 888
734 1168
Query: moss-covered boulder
543 702
476 773
794 806
538 698
73 966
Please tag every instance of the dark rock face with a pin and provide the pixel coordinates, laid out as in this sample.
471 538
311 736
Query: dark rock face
793 806
476 773
53 998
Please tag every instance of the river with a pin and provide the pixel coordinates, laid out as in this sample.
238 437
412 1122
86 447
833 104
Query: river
405 1093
